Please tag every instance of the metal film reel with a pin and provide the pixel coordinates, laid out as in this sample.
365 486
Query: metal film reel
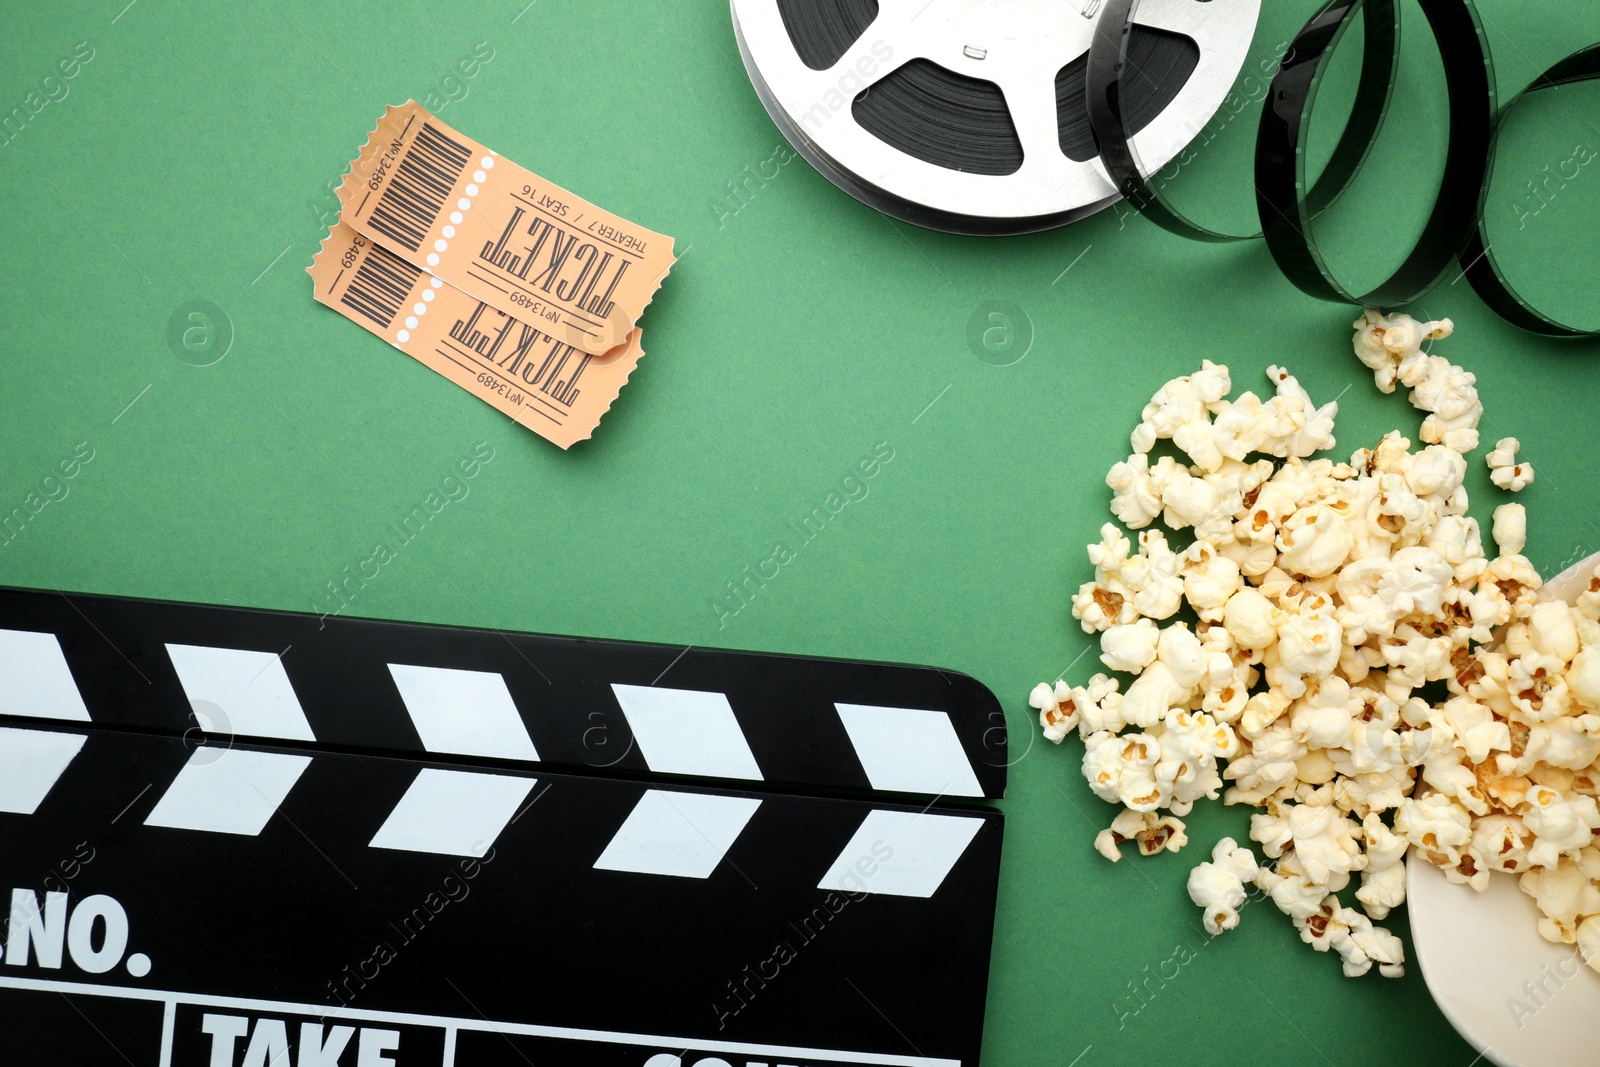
970 115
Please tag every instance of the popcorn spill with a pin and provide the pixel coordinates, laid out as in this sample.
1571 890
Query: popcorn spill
1326 596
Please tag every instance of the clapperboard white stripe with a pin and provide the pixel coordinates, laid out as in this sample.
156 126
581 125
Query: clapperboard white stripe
901 853
565 702
453 813
466 713
250 689
31 762
228 791
35 680
685 731
905 750
462 813
684 835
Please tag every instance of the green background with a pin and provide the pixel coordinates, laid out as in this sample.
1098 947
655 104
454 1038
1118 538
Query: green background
191 159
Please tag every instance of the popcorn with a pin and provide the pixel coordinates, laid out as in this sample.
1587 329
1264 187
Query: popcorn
1502 842
1314 542
1152 574
1378 791
1564 894
1129 647
1324 717
1392 347
1503 454
1436 824
1252 619
1383 883
1164 834
1568 743
1217 887
1583 676
1325 596
1470 728
1416 581
1294 894
1588 602
1589 941
1538 687
1057 711
1553 631
1368 944
1100 606
1307 650
1111 554
1135 500
1559 824
1323 839
1180 650
1504 470
1185 499
1459 543
1152 695
1210 579
1301 428
1450 395
1121 769
1514 579
1191 744
1178 412
1122 828
1099 707
1152 833
1436 472
1352 935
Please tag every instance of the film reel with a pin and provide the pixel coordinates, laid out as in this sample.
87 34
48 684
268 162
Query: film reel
972 117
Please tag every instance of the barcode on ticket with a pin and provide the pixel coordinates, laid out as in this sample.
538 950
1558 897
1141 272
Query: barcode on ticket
381 285
421 185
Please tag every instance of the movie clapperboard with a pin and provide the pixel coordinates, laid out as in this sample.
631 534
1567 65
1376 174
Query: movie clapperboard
241 838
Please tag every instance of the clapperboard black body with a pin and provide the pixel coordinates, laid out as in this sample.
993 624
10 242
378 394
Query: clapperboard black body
237 838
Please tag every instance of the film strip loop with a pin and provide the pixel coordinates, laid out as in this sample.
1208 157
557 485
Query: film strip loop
1286 215
1455 230
1110 60
1478 258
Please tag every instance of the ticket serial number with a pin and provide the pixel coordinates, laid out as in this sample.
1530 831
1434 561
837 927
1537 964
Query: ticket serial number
537 308
501 388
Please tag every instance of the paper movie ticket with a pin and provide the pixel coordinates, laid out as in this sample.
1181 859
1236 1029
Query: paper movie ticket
552 387
519 243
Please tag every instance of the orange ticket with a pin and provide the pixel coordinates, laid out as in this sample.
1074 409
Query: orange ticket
520 244
541 381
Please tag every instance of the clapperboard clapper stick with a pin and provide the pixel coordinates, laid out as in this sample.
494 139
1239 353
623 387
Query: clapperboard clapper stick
264 839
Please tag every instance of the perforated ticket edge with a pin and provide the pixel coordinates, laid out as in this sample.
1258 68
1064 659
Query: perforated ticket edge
419 335
372 172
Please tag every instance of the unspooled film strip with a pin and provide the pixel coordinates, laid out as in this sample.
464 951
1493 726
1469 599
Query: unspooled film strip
266 896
